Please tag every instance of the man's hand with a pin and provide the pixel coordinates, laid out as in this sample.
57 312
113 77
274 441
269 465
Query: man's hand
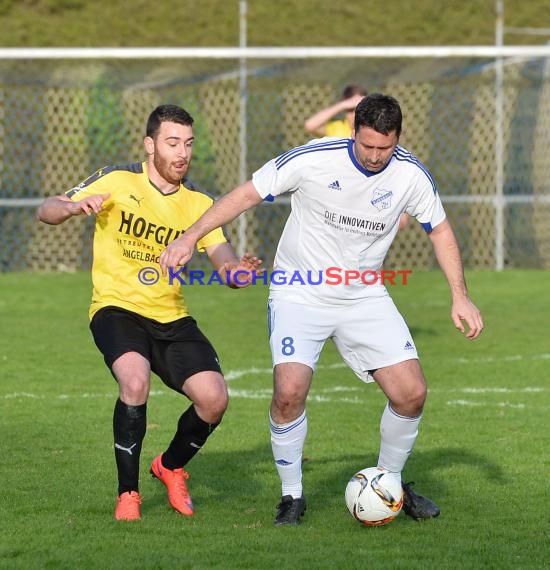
464 310
89 205
177 253
241 273
352 102
57 209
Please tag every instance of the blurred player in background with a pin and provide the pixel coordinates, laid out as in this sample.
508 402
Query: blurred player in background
347 196
324 124
140 321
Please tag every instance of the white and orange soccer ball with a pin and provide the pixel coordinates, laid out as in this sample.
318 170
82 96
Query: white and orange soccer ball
374 497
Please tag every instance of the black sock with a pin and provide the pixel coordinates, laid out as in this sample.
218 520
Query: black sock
129 425
191 435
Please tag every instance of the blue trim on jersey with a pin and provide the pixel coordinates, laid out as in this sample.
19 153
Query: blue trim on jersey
305 149
359 166
406 156
269 198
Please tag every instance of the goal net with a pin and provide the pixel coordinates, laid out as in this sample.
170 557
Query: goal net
480 123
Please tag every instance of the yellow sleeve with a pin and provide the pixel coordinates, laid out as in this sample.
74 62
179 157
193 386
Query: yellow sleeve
202 203
213 238
94 184
338 129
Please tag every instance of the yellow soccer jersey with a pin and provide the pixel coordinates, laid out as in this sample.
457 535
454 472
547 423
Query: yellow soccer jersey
338 129
135 225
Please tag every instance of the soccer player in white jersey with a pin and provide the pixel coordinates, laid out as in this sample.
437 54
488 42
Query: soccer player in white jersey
347 196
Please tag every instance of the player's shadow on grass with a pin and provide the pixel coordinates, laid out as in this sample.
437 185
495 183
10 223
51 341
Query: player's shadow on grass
420 332
247 474
248 477
428 469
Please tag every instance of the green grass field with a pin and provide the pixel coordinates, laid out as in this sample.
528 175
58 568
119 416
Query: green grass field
482 453
280 23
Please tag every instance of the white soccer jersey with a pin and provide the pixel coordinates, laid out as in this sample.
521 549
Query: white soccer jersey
343 217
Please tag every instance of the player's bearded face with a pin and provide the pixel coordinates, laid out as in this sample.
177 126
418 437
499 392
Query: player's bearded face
373 150
173 151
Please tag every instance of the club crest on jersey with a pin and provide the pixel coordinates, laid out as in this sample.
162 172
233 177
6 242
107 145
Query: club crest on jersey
381 199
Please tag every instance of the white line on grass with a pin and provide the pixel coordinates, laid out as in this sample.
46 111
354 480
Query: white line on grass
324 395
509 358
317 395
236 374
20 395
527 389
484 404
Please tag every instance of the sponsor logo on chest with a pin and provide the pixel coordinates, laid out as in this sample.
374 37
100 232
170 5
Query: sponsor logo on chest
381 199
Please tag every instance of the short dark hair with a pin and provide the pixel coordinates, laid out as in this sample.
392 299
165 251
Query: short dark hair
351 90
167 114
379 112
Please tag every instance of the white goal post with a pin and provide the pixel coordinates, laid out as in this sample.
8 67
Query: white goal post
500 70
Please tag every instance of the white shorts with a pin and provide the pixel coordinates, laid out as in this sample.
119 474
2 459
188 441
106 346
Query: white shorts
368 334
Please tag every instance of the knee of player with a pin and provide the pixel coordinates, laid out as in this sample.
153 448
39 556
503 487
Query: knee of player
409 402
214 415
288 401
213 406
219 406
134 390
416 398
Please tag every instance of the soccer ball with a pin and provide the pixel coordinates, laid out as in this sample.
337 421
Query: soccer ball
374 497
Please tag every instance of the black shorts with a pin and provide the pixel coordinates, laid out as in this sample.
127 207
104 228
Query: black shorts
175 350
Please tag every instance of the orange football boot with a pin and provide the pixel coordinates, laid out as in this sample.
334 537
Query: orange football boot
174 480
128 506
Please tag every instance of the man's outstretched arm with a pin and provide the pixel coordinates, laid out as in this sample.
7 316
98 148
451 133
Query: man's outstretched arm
57 209
225 210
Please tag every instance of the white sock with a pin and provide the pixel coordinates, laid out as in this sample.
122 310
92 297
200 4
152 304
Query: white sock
287 443
397 437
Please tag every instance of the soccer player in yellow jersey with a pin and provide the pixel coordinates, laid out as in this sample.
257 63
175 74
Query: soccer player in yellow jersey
139 319
324 122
